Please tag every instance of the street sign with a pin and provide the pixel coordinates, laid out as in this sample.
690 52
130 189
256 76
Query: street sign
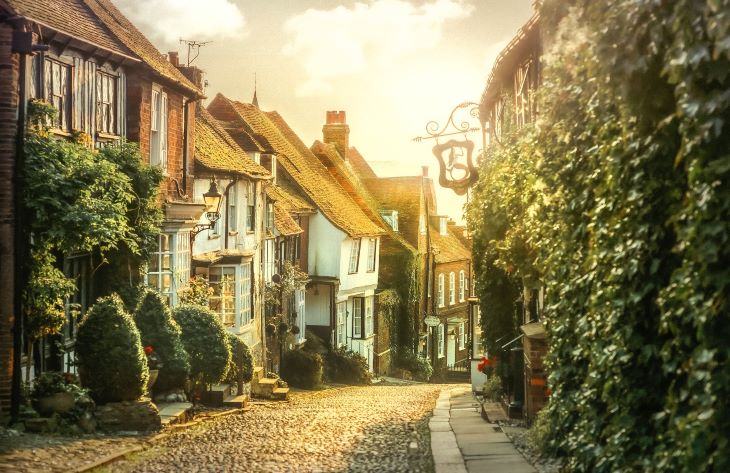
431 321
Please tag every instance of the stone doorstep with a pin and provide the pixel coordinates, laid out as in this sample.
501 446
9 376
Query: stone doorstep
174 412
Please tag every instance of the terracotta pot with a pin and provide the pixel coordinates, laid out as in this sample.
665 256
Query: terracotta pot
153 377
56 403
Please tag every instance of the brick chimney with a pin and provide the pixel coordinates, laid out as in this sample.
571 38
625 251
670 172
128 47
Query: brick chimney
174 58
193 74
337 132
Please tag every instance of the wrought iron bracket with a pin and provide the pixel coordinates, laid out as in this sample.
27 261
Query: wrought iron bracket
212 218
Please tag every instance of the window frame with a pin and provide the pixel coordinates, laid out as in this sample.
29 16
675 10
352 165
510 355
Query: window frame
372 254
341 327
250 208
159 114
462 336
64 120
246 284
369 322
441 295
227 316
358 317
441 340
452 288
102 78
354 263
462 288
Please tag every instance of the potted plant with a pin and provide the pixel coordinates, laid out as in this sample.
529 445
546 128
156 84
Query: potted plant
53 392
154 364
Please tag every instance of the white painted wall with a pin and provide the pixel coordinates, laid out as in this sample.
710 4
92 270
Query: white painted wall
325 247
318 305
363 280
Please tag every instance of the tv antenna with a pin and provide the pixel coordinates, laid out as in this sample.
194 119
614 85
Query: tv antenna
193 47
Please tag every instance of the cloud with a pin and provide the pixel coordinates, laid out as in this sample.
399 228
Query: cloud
345 41
170 20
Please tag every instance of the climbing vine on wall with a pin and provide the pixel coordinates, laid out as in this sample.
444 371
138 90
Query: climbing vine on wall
629 226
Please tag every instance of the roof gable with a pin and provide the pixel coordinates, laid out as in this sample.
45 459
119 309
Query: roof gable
216 150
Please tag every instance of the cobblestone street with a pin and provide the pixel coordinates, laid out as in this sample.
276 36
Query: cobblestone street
358 429
353 429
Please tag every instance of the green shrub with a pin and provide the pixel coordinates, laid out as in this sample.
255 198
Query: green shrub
539 431
111 362
419 367
493 388
206 341
240 369
302 369
159 330
346 366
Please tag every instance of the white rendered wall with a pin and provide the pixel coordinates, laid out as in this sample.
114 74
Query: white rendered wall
325 247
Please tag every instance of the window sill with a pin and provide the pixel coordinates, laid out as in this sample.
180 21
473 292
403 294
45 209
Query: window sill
107 136
352 272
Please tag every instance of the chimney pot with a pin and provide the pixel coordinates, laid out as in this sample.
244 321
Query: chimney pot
174 58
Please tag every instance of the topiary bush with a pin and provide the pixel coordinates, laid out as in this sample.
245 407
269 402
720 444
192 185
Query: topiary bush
240 369
160 331
347 367
111 362
205 340
302 369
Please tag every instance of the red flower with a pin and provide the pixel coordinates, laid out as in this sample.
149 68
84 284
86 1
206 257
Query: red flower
148 349
484 363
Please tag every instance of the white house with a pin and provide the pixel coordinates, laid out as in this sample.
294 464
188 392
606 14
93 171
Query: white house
340 243
229 253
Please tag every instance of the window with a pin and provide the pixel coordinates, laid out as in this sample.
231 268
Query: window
452 288
462 337
246 294
182 260
158 129
57 91
341 317
466 287
354 256
357 317
223 300
232 213
443 226
441 340
391 217
372 247
106 102
462 286
159 274
269 216
422 224
441 291
369 316
250 208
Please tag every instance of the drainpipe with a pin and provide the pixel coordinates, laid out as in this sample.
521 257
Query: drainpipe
225 193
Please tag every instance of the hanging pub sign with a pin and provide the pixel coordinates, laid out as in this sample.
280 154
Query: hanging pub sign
457 170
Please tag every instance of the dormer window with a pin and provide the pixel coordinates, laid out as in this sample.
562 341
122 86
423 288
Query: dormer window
443 226
390 216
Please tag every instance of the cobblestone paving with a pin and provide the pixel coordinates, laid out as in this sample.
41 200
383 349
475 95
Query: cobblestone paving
352 429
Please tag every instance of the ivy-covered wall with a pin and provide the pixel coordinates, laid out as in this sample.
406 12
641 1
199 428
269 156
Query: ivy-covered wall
618 199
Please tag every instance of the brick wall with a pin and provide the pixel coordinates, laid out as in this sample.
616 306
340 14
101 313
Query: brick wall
139 96
535 376
8 121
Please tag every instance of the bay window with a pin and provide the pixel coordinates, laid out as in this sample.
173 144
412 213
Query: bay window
246 294
223 300
168 269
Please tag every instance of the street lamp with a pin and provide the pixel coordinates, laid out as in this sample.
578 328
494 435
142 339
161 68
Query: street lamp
212 200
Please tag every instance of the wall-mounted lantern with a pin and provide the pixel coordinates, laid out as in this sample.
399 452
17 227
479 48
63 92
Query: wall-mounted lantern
212 200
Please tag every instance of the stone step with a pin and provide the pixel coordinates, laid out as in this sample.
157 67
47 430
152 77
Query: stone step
174 412
280 394
216 395
235 401
267 381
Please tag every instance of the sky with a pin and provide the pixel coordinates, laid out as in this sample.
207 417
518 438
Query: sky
392 65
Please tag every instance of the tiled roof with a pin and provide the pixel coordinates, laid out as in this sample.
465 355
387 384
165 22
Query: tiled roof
133 39
306 171
71 17
359 165
288 199
283 221
449 247
349 180
216 150
403 194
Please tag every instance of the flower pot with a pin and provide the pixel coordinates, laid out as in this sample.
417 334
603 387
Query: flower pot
153 377
55 403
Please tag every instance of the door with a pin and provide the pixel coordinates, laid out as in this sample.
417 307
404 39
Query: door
451 350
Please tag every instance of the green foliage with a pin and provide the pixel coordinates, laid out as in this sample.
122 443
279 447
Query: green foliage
240 369
159 330
111 362
44 297
493 389
205 340
628 228
347 367
197 292
419 367
302 369
53 382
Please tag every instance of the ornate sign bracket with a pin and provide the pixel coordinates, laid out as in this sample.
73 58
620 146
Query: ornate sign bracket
456 163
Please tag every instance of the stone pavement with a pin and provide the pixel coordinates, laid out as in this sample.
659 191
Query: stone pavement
463 442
